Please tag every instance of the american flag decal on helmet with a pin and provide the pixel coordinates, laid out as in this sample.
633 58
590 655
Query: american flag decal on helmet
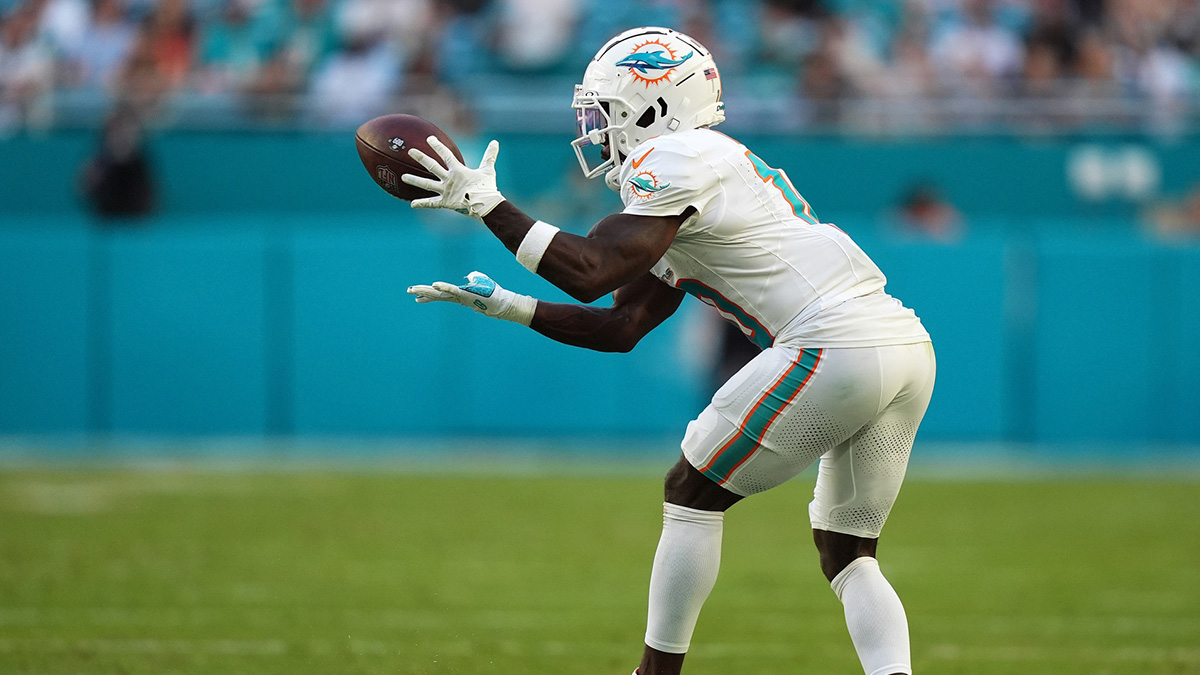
710 73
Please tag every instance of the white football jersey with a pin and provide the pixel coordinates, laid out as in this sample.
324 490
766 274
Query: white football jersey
756 251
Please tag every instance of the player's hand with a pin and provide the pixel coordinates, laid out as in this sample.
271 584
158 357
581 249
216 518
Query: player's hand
471 192
481 294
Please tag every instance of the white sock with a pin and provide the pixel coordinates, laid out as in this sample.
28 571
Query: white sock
685 570
875 617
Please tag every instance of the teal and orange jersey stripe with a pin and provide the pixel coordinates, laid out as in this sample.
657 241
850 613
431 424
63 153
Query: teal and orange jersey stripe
752 328
749 436
779 179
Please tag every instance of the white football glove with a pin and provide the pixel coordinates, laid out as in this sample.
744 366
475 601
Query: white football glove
481 294
471 192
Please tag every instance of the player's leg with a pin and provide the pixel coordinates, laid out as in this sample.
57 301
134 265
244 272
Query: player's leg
686 486
731 443
838 550
875 615
685 565
857 484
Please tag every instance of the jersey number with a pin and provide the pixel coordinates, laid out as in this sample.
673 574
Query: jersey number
752 328
780 180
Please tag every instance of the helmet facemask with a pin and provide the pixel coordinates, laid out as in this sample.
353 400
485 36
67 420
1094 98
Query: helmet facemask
593 125
597 134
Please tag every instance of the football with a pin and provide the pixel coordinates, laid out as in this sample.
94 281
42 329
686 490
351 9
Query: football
383 145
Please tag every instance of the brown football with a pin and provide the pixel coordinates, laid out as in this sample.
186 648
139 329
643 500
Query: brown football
383 145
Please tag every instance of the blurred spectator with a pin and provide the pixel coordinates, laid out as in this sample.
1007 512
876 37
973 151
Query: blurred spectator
822 87
1145 60
26 67
975 51
1091 94
791 30
464 48
273 91
105 44
924 213
355 83
908 80
140 83
303 31
1042 83
535 34
1043 70
892 65
118 181
63 24
1093 64
170 31
850 48
401 24
231 50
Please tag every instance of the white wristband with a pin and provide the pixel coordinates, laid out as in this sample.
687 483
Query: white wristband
534 245
521 310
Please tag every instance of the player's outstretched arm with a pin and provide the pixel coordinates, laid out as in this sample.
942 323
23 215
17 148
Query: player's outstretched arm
637 309
618 250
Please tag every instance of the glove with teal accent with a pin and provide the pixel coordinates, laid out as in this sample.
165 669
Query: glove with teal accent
481 294
471 192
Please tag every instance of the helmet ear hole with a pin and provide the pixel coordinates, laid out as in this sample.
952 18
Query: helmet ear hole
647 118
649 114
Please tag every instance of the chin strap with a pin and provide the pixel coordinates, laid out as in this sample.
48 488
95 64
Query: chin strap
613 179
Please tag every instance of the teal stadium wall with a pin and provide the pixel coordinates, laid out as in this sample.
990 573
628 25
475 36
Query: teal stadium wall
268 297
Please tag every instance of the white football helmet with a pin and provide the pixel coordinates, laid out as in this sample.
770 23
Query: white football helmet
644 83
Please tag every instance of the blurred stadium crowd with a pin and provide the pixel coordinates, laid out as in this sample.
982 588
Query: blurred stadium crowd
888 64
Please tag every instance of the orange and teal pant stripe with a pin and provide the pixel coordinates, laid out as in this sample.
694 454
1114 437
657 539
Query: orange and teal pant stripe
753 429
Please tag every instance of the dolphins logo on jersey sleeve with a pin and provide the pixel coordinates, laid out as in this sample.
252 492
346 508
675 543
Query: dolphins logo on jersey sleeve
645 185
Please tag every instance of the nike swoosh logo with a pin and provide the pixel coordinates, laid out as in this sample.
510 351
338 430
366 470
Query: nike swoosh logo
638 162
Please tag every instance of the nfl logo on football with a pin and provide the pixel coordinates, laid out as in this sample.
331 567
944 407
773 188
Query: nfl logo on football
387 177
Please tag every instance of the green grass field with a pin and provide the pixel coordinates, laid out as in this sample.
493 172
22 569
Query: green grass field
193 571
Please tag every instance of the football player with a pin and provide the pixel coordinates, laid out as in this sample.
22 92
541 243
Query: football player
845 373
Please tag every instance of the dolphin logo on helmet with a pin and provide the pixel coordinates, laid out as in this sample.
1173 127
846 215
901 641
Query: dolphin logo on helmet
655 60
